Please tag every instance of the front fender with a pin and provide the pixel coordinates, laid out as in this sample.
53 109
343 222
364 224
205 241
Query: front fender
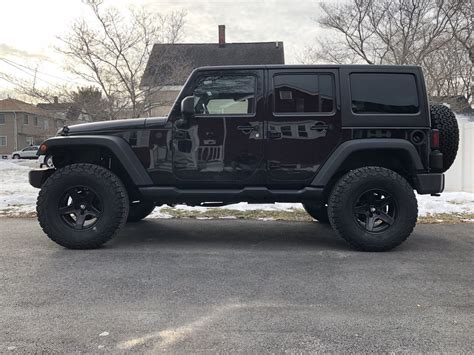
117 145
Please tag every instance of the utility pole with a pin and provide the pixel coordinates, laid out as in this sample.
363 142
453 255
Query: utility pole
15 131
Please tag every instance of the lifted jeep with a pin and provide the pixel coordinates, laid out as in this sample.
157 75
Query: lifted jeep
351 143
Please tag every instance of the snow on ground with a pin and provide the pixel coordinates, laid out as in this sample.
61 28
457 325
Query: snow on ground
18 198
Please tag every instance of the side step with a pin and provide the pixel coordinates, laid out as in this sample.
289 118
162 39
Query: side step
167 194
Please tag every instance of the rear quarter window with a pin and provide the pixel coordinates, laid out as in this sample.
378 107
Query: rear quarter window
384 93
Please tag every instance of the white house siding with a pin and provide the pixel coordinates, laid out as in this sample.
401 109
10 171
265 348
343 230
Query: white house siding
460 177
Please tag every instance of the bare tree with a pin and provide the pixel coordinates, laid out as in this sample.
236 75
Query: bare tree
113 51
416 32
461 24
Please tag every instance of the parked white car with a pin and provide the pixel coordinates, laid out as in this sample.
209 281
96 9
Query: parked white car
26 153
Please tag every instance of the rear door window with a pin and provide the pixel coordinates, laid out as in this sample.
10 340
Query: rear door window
384 93
303 93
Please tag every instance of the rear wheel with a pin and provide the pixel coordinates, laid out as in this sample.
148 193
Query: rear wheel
318 211
373 208
139 210
81 206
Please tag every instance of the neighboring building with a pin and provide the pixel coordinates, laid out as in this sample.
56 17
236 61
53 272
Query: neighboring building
22 124
66 111
170 64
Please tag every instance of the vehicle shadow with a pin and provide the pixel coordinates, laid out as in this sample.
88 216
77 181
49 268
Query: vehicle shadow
228 234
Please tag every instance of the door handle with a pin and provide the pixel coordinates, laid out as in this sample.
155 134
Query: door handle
274 135
319 127
247 129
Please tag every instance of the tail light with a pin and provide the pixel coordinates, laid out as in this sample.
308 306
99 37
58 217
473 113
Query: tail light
434 139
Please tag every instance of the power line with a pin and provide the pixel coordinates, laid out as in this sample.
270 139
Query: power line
34 73
40 72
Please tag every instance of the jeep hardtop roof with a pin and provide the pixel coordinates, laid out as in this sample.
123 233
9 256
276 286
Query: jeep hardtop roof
313 66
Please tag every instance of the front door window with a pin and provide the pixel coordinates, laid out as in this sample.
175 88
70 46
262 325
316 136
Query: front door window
225 95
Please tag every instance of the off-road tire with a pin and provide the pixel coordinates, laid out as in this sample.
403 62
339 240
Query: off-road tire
444 120
105 184
139 210
317 211
342 208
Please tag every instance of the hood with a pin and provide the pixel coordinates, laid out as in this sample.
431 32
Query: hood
115 125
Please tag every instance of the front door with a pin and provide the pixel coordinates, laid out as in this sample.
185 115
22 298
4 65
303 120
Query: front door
222 145
304 124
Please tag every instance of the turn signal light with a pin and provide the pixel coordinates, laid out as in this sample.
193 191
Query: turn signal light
43 148
434 139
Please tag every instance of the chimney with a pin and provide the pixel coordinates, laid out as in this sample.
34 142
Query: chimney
221 35
55 99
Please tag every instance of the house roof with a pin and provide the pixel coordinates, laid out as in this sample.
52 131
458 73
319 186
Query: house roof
56 107
13 105
170 64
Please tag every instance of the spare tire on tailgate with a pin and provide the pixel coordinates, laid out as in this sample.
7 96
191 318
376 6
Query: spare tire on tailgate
444 120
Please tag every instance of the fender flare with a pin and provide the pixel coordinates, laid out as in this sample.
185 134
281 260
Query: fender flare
117 145
343 151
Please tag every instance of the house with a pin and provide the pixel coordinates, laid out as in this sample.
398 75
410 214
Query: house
22 124
170 64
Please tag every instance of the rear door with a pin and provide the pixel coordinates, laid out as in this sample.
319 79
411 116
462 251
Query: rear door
304 124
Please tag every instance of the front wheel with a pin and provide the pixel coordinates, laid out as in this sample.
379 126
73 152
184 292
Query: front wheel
82 206
15 156
373 208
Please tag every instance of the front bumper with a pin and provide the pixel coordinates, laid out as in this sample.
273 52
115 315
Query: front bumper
37 177
429 183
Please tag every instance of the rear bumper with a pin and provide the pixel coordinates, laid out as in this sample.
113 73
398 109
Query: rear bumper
37 177
429 183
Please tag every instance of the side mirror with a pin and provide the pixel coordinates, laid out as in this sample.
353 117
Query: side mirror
187 106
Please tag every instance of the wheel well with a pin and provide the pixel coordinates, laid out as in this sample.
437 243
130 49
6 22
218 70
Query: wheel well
397 160
98 155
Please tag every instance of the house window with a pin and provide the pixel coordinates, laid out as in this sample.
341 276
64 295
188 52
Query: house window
30 141
26 119
303 93
36 121
384 93
3 141
2 118
46 123
225 94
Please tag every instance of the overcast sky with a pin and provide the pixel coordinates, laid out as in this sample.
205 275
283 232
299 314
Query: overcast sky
28 28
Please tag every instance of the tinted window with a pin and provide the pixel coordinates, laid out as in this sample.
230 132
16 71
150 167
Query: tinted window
304 93
225 94
384 93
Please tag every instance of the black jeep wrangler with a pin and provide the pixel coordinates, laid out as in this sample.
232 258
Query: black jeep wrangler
351 143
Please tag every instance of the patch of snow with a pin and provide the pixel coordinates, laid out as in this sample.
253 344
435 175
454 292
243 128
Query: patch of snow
448 202
104 334
18 197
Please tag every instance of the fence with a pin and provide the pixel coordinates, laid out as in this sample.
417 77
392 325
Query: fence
460 177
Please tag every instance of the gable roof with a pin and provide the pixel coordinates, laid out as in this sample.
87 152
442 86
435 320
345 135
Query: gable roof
13 105
171 64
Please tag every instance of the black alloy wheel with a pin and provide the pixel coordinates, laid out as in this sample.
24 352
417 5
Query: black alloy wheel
375 211
80 208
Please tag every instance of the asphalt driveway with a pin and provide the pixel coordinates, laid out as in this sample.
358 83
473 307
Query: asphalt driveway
225 286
